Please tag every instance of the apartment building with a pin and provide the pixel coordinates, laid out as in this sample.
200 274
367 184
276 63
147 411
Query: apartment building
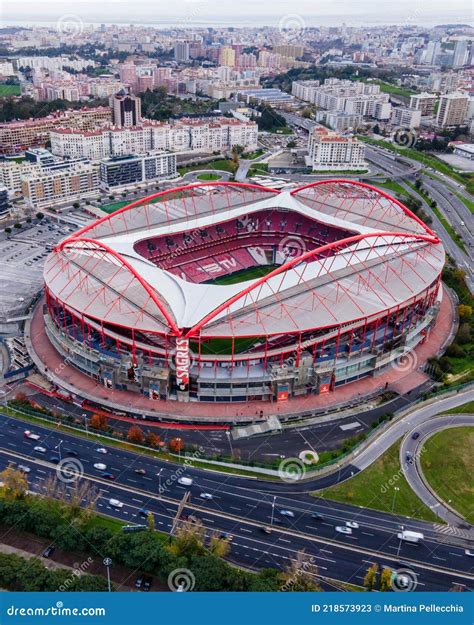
215 134
120 171
406 117
424 102
61 183
18 136
453 110
328 150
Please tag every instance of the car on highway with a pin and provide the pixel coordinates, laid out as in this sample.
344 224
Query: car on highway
39 449
100 466
316 516
107 475
24 468
352 524
409 457
115 503
29 434
101 450
469 552
185 481
415 435
143 512
342 529
55 459
71 452
206 496
140 471
226 536
48 551
266 529
288 513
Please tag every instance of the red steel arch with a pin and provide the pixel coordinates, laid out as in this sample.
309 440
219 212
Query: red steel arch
364 185
128 266
295 261
148 198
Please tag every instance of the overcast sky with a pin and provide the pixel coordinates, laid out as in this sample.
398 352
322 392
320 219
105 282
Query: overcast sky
423 12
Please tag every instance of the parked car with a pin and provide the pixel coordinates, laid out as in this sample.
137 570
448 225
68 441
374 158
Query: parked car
139 582
343 529
147 584
48 551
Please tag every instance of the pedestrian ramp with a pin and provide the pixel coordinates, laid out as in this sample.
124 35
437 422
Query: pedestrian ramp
271 424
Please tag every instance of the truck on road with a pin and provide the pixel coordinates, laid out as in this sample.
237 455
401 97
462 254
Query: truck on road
410 537
28 434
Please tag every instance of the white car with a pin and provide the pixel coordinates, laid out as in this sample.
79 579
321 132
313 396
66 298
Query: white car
24 468
39 449
101 450
287 513
343 529
467 552
185 481
352 524
206 496
115 503
101 466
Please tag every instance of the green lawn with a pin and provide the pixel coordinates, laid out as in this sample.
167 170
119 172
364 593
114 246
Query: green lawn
467 408
219 164
245 274
448 467
386 87
468 203
209 177
114 206
252 155
374 488
9 90
391 185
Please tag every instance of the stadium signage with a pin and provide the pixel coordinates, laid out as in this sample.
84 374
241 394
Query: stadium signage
182 363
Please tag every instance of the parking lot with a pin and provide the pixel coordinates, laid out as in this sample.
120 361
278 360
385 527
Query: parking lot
22 257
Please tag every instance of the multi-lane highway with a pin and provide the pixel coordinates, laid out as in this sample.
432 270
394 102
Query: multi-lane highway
243 507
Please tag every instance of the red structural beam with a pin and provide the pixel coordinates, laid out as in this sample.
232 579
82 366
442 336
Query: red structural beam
364 185
128 266
295 261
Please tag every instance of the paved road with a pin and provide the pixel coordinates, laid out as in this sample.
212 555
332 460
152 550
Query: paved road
410 453
243 506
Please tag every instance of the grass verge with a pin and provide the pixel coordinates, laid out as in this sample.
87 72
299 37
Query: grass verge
447 467
467 408
375 488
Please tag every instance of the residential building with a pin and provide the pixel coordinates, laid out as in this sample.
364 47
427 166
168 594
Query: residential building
59 184
126 109
341 122
227 56
452 111
461 53
120 171
20 135
424 102
181 51
406 117
4 203
289 50
12 172
328 150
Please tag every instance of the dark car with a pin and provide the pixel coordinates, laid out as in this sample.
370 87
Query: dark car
415 435
54 459
107 475
143 512
48 551
316 516
140 471
147 584
71 452
139 582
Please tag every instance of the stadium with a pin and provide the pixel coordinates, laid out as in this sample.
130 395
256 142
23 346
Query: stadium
229 292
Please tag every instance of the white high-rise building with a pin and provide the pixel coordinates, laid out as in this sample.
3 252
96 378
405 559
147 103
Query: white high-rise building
328 150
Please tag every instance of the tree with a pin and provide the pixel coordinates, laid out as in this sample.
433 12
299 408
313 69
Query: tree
370 578
152 439
150 521
176 445
300 575
15 483
464 334
219 546
76 205
385 580
465 311
99 422
136 435
39 216
8 230
17 225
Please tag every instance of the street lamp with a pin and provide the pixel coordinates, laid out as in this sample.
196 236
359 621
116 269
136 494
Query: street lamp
230 443
159 481
395 491
58 447
108 564
273 510
400 543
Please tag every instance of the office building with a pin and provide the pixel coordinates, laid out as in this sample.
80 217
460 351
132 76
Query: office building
126 109
120 171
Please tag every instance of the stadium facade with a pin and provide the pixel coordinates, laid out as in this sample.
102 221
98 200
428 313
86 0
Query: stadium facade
227 292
